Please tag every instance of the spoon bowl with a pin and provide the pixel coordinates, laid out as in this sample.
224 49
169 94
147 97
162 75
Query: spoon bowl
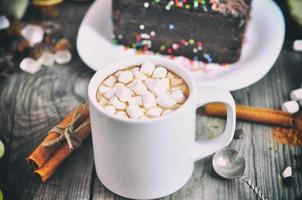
229 164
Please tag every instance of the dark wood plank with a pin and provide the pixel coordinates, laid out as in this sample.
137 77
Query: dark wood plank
34 104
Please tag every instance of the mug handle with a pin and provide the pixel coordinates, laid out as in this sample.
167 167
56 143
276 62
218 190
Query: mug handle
206 95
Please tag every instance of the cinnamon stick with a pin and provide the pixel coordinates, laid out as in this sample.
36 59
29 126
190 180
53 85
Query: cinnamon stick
61 153
42 153
253 114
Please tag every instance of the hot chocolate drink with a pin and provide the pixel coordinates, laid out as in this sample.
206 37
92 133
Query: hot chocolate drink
142 92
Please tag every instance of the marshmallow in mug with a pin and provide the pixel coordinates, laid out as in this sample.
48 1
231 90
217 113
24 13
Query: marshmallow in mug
142 92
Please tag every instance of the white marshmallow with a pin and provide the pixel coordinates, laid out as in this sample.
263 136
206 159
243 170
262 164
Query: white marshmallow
287 172
165 101
110 81
154 112
144 117
121 114
160 87
47 59
139 87
30 65
109 109
33 34
296 94
178 96
159 72
117 85
147 68
63 57
103 101
117 103
176 81
150 83
148 100
125 77
183 88
297 45
139 75
123 93
135 111
136 100
103 89
166 112
290 106
110 93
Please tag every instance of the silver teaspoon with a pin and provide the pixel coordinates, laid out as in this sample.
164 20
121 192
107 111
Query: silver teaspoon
229 164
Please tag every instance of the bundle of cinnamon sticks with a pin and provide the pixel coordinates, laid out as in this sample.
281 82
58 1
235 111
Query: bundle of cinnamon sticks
60 142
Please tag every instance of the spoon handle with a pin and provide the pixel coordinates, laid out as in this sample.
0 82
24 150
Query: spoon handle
254 187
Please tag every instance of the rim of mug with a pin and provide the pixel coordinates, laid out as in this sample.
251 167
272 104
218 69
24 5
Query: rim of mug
134 61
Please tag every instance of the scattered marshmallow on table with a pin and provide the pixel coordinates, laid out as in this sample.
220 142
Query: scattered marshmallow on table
296 94
62 57
135 111
30 65
33 34
147 68
125 77
47 59
290 106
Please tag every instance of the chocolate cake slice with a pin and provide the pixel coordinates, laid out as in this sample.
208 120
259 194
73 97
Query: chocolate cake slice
206 30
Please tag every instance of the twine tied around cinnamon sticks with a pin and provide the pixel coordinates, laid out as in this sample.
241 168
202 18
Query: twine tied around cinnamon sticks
74 128
68 132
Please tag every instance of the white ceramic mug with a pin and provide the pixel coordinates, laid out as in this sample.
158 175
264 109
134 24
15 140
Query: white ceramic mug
146 159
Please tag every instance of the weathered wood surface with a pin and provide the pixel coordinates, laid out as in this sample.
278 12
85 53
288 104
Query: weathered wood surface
31 104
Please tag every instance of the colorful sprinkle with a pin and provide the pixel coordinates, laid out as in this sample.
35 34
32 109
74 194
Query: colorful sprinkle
146 5
162 47
152 33
142 27
171 26
191 41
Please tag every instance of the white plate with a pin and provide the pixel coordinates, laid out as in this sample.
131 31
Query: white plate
263 43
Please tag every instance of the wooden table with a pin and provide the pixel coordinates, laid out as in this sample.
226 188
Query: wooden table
32 104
